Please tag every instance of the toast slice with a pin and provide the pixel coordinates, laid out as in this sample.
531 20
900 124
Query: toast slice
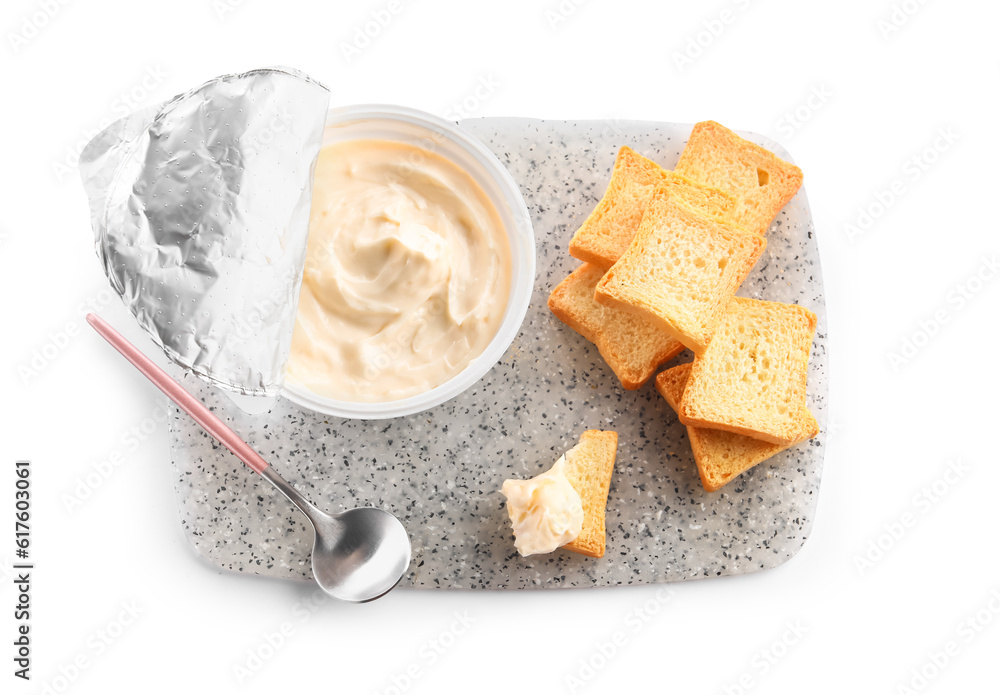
607 232
682 268
761 182
720 456
752 378
589 465
633 346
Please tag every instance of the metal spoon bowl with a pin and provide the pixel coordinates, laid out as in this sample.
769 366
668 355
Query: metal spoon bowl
358 555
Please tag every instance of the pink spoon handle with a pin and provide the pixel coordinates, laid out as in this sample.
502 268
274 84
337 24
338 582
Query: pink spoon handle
177 393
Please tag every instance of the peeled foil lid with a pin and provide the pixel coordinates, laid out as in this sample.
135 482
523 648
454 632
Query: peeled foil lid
200 207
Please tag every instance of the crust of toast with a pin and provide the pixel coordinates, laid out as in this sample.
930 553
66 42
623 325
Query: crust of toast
633 346
761 182
720 456
589 466
752 378
606 233
681 269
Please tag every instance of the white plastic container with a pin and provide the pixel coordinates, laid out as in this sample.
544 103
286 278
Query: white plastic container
401 124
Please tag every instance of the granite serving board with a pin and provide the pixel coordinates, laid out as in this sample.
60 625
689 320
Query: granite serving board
440 471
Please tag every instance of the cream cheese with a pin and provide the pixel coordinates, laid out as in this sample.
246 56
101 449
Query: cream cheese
406 278
545 511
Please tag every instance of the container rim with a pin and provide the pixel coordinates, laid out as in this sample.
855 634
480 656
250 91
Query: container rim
521 239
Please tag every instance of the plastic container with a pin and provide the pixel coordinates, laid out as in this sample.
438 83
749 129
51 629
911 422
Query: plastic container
401 124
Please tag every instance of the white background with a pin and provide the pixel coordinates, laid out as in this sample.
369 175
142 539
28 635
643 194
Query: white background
887 93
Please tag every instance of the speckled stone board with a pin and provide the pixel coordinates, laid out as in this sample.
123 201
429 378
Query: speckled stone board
440 471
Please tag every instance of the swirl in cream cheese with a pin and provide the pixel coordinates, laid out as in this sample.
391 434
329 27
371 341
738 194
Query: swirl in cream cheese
406 278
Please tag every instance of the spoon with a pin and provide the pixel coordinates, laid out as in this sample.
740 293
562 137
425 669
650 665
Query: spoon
358 555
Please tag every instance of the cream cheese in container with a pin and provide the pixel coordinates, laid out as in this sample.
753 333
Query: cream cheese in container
420 266
201 208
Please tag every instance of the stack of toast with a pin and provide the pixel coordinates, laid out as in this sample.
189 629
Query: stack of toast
664 253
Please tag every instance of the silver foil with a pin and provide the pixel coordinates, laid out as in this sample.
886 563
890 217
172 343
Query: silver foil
200 207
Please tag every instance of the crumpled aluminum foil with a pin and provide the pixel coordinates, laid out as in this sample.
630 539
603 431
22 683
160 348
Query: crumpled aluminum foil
200 207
